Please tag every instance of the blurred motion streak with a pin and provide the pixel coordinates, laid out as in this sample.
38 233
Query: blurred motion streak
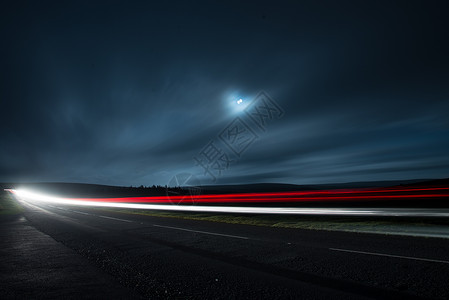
162 202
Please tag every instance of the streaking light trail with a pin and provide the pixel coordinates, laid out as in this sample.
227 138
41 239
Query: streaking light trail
283 197
148 203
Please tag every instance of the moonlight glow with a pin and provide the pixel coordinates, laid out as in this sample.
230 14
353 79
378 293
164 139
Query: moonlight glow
236 102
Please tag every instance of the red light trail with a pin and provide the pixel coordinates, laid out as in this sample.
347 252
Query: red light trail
229 203
384 194
293 197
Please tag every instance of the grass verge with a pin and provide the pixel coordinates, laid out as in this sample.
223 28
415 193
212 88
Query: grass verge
333 223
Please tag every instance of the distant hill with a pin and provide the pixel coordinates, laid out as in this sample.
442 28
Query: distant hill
97 190
66 189
280 187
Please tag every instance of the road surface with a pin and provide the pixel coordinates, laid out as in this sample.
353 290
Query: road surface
174 258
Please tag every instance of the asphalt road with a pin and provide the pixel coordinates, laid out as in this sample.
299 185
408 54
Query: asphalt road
174 258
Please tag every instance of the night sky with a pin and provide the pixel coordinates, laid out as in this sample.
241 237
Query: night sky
130 93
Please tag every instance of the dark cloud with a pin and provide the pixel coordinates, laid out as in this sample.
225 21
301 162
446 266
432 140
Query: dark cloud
128 93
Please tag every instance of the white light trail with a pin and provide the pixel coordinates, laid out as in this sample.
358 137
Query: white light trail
30 196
